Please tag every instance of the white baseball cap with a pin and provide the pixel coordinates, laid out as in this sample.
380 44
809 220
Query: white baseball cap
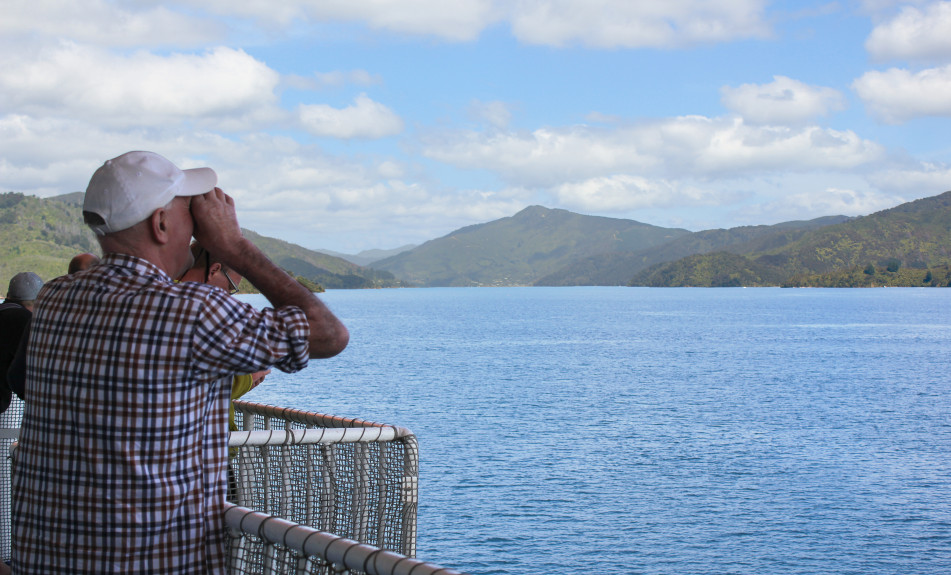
126 190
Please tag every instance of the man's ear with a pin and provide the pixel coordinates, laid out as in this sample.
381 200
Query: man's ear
213 269
159 226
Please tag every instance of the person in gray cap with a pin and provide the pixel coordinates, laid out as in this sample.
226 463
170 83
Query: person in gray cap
122 456
15 313
23 289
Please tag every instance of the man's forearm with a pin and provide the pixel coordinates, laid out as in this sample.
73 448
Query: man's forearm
328 336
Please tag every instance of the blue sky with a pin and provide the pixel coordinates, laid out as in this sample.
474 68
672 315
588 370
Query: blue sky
360 124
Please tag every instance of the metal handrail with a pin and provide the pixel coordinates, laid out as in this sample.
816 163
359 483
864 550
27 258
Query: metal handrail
334 553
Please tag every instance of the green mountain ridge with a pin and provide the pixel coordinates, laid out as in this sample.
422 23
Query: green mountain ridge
915 235
518 250
618 268
909 244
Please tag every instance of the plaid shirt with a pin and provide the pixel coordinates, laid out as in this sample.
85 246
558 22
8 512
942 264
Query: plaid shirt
122 459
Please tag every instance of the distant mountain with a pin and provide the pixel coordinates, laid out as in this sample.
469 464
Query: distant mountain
329 271
617 268
520 249
42 235
367 257
915 235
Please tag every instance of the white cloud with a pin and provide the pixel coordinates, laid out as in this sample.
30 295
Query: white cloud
738 148
914 34
914 181
897 95
53 156
71 80
783 101
624 193
699 204
597 23
453 20
678 147
543 157
824 202
622 23
364 119
102 23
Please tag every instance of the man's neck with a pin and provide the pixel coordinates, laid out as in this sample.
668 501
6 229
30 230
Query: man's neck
138 244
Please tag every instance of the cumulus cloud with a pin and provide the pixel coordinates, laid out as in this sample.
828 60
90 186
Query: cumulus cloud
898 95
621 23
364 119
543 157
923 176
914 34
456 20
68 79
597 23
51 155
102 23
691 145
625 193
737 147
783 101
825 202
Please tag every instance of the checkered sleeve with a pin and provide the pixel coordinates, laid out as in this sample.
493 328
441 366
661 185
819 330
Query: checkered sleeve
234 337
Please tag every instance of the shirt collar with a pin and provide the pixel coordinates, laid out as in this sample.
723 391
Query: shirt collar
138 265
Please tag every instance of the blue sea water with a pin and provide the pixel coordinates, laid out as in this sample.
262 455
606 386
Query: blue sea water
658 431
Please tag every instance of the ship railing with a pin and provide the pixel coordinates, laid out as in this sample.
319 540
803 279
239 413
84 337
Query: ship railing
349 479
262 544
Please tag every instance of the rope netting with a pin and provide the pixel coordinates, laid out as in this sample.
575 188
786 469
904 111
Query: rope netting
9 430
354 478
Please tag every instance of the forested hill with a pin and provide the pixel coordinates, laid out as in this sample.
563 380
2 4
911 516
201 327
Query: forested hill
520 249
42 235
908 245
617 268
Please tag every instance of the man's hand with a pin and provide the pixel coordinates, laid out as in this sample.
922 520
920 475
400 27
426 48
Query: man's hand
216 225
258 376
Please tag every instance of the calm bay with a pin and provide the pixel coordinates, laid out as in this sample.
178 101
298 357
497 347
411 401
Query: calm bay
658 431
